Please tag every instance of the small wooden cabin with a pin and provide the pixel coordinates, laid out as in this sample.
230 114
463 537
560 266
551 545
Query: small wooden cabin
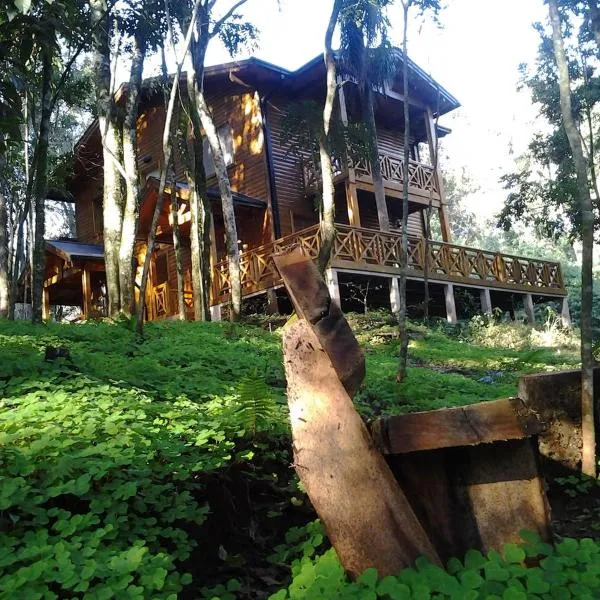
275 195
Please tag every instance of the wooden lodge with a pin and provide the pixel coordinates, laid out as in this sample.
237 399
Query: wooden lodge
274 200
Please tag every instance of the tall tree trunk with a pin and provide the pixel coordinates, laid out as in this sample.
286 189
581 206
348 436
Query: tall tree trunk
132 182
4 253
595 20
231 236
111 143
402 316
588 463
378 186
41 184
166 163
200 207
177 249
327 225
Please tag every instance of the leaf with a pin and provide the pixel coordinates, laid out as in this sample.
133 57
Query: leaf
23 6
513 553
368 578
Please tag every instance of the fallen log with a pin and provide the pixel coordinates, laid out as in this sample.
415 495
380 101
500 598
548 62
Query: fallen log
366 515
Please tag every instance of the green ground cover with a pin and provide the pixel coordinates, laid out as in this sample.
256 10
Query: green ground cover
156 469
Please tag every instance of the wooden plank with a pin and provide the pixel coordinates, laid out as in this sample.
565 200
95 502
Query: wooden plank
312 302
485 422
366 515
86 289
475 497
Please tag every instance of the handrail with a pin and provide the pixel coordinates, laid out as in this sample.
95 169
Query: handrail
371 250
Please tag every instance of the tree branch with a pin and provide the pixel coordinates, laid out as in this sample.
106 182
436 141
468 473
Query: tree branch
218 24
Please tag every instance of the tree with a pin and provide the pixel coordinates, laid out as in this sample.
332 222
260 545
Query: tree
234 33
327 225
166 164
422 6
588 465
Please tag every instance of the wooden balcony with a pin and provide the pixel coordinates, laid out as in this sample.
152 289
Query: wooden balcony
369 251
422 179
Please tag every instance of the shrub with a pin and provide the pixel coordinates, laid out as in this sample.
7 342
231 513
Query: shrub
571 569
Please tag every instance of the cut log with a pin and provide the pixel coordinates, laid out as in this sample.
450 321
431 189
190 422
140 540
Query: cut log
312 302
367 516
471 473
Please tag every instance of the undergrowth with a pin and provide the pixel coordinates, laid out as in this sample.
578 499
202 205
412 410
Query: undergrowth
162 468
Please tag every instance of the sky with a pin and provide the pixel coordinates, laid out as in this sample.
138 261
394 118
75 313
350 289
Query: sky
474 54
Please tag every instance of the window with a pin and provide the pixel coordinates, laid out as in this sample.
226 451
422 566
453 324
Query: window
226 139
161 269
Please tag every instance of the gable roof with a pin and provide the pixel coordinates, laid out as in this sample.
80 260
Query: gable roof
72 249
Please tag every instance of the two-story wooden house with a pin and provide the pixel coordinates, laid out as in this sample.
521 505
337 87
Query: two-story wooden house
274 198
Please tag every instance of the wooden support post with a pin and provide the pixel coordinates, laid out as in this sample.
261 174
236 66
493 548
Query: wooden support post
215 312
272 304
432 141
394 295
352 203
331 280
86 290
529 312
46 304
450 303
565 314
486 301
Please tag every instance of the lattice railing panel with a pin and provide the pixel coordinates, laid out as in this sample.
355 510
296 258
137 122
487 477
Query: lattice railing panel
369 249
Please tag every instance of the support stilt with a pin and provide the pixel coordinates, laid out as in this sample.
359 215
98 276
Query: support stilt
450 303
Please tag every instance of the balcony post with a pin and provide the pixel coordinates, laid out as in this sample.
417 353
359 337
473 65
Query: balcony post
433 150
565 314
395 295
46 303
528 302
486 301
450 303
215 312
331 280
351 192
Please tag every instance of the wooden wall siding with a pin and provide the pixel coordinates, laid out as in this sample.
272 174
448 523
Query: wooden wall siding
89 226
289 183
369 219
248 175
251 228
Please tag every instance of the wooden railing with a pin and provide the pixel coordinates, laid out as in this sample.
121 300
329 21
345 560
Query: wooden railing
372 251
422 178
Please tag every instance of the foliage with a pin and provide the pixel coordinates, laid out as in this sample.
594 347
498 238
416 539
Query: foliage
543 188
533 569
105 457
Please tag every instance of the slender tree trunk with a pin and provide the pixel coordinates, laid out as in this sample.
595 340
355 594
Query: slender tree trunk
595 20
231 236
402 316
40 187
111 144
177 249
588 463
327 225
166 163
379 189
4 253
200 207
132 182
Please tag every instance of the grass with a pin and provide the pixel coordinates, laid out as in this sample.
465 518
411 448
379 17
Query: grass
152 469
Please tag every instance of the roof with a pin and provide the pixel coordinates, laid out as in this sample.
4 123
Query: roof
214 194
72 249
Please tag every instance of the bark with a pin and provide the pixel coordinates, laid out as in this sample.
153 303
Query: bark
40 186
177 249
588 462
379 189
132 182
402 320
231 237
166 163
200 208
327 226
4 253
367 516
111 143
